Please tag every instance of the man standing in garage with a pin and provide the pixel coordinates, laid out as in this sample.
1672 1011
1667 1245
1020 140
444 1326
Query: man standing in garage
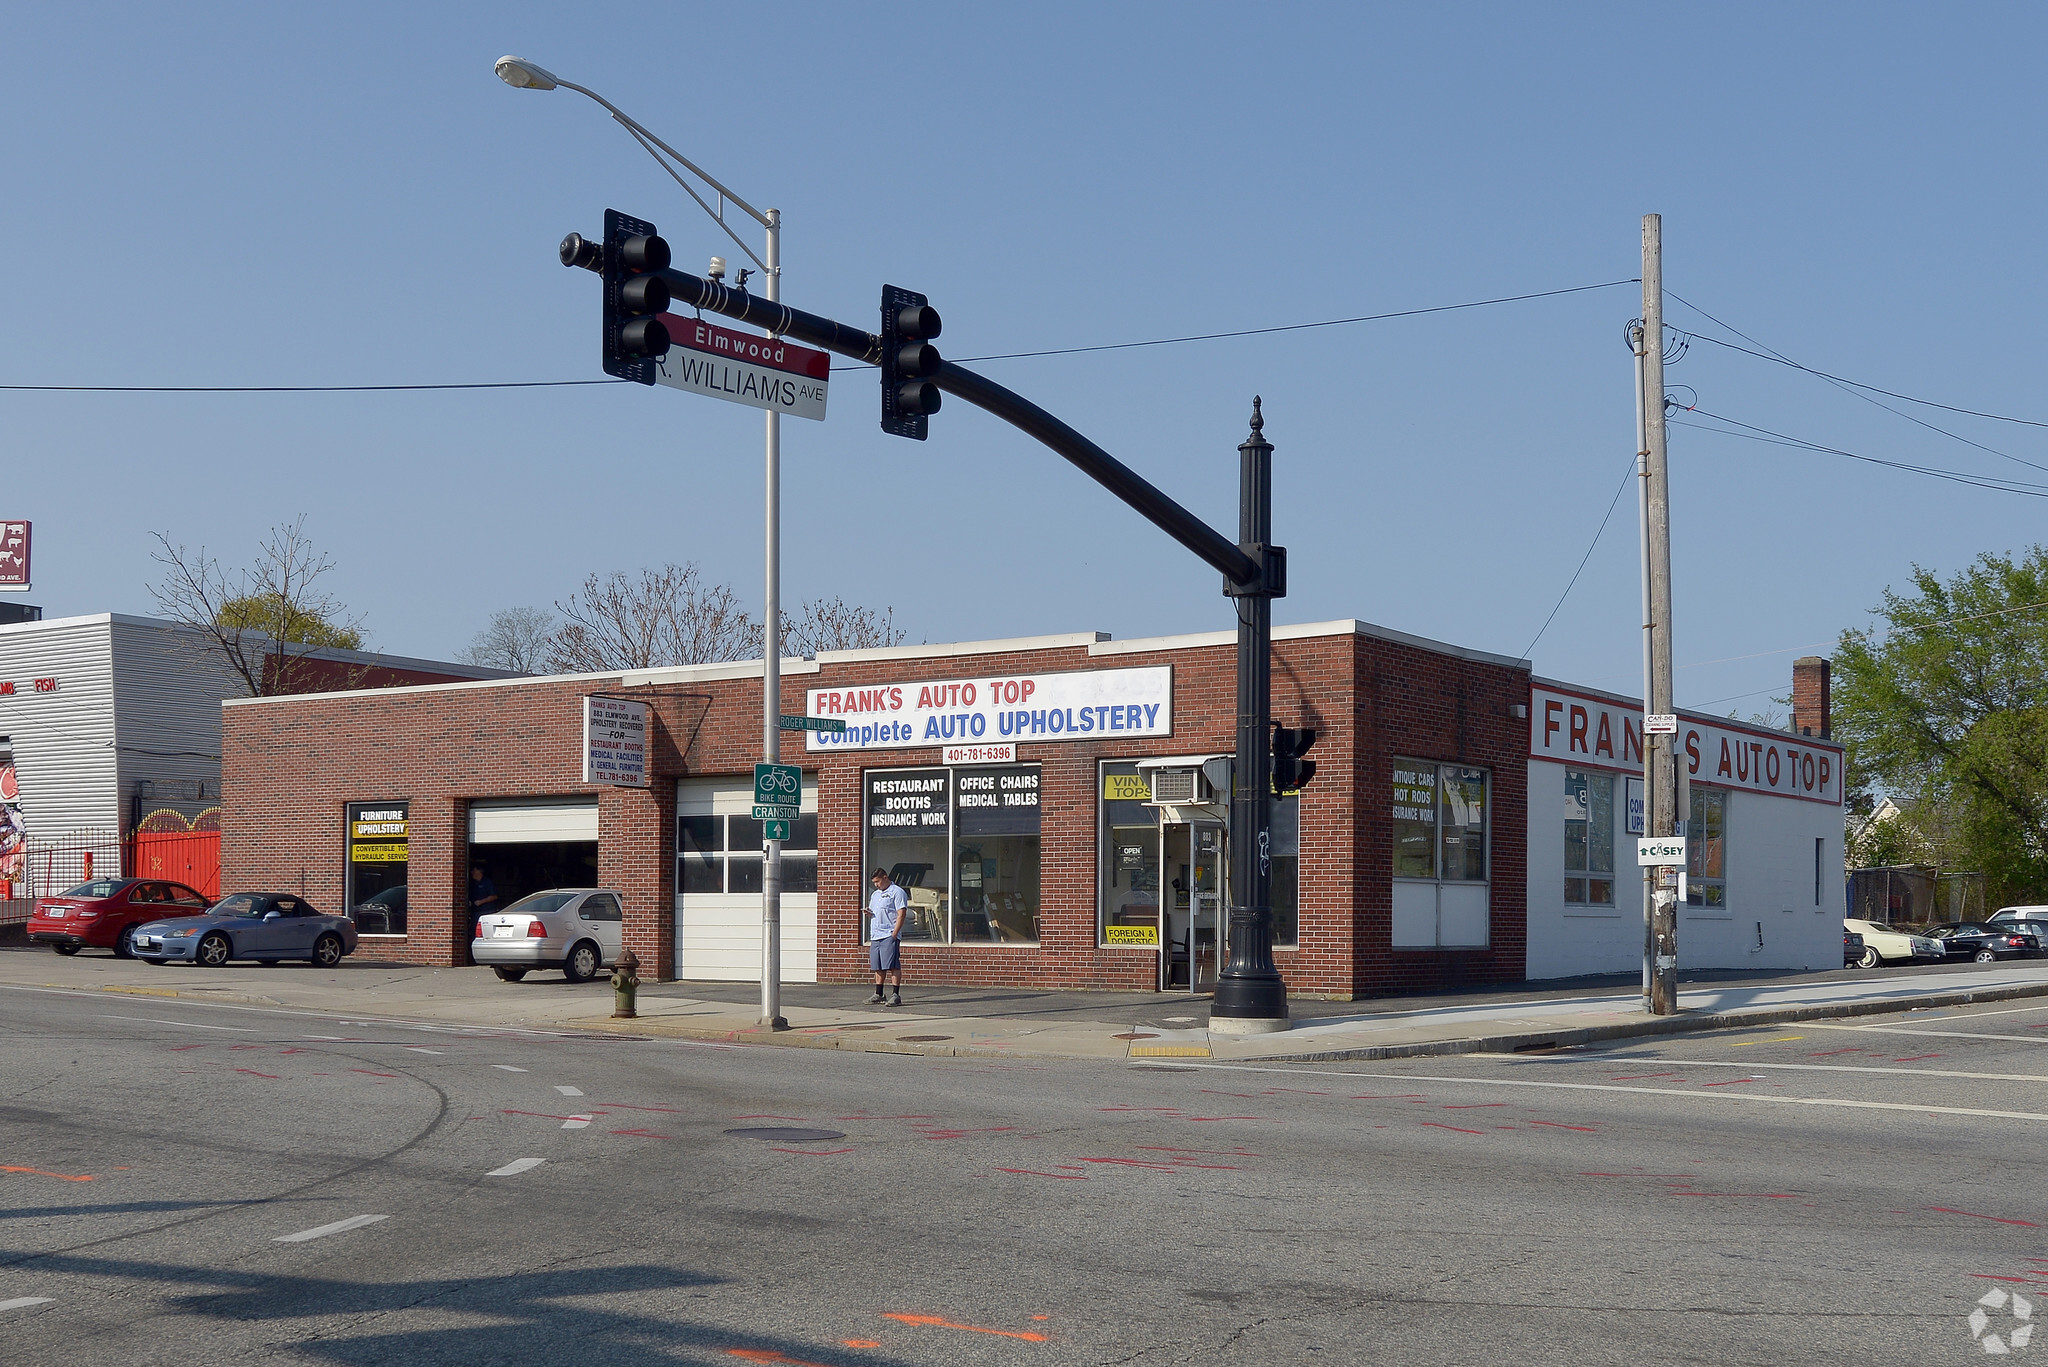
885 936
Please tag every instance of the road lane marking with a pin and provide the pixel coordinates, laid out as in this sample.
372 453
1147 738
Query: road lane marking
570 1091
515 1167
189 1025
1757 1098
506 1067
338 1227
421 1049
576 1122
1852 1068
24 1302
1938 1034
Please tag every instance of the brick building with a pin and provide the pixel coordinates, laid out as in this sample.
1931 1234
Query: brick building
1055 806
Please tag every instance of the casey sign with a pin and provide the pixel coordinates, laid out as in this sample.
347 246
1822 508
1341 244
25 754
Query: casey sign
1590 732
1089 704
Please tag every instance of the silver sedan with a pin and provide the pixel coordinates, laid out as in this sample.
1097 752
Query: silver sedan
578 930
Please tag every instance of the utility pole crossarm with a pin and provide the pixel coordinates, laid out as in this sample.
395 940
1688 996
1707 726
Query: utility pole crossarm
1210 545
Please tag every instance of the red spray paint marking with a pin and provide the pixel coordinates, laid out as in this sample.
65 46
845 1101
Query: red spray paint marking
1060 1176
1994 1277
1730 1082
935 1322
1242 1096
644 1134
1641 1077
248 1046
253 1073
1830 1053
884 1117
181 1048
1452 1127
38 1172
932 1132
760 1117
372 1074
543 1115
1405 1096
1476 1106
1217 1153
1157 1166
1560 1125
291 1051
2000 1219
1204 1118
1669 1176
1915 1058
622 1106
1299 1091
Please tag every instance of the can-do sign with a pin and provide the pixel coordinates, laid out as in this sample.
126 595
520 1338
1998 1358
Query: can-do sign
1090 704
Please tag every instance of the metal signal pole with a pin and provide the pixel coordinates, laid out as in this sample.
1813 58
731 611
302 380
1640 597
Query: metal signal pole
1660 767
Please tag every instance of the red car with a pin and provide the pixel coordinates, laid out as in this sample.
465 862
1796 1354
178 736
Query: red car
103 913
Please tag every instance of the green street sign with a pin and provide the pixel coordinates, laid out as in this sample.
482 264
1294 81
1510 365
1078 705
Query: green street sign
778 785
777 830
789 723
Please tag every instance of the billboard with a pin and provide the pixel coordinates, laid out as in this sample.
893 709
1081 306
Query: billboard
14 542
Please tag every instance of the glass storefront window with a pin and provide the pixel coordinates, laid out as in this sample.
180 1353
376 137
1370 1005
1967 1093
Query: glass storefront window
1706 834
1588 838
1441 899
996 854
910 833
1129 858
723 854
1414 812
379 852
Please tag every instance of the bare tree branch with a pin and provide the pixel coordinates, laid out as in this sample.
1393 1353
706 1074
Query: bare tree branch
835 624
516 639
664 617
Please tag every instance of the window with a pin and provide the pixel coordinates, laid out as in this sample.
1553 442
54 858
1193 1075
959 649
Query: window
1438 816
964 845
600 906
1706 836
1284 824
1588 839
379 848
724 854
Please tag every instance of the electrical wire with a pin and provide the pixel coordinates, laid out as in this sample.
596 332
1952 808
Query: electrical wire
1769 437
1601 531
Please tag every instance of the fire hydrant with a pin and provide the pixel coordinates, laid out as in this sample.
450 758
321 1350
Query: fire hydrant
626 983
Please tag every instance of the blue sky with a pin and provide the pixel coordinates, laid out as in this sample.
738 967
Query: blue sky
245 194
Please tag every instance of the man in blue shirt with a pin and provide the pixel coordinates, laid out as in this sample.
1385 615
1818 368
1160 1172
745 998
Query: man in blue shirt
886 907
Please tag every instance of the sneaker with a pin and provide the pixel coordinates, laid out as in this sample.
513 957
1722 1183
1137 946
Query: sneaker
875 1000
896 1000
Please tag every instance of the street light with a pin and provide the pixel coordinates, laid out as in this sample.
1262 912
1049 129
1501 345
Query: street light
521 74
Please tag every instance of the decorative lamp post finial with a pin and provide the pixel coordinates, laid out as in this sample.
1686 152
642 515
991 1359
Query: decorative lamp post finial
1258 418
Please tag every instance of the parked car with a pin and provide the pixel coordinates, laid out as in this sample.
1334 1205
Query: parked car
1852 946
2037 915
1885 945
264 926
103 913
1984 943
376 915
578 930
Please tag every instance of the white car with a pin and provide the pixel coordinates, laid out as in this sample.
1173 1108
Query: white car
578 930
1883 945
2038 915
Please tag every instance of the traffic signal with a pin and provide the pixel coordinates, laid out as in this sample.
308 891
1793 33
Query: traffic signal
634 336
1291 772
909 359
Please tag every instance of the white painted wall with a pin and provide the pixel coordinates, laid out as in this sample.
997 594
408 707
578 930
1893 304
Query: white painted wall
64 740
1770 865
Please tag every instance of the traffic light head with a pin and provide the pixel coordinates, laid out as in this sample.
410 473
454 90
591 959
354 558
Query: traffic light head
635 295
1291 772
909 360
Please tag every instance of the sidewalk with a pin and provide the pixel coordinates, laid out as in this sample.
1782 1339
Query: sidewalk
968 1022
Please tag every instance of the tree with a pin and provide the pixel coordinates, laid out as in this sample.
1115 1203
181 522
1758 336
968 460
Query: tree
668 616
835 624
516 639
1947 713
268 622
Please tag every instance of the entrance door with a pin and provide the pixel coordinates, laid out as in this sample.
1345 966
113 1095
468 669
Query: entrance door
1193 873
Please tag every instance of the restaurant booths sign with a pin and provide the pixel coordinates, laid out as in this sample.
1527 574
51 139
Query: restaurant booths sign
1094 704
1591 732
615 742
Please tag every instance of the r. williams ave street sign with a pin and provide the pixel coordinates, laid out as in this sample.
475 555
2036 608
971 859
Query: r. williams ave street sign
761 372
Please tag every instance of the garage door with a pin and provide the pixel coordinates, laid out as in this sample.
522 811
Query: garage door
718 885
522 822
526 846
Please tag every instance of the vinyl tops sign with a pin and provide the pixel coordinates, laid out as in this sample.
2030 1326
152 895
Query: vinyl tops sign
1589 732
1093 704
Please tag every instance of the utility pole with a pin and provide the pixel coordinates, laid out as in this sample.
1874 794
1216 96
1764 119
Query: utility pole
1660 766
771 675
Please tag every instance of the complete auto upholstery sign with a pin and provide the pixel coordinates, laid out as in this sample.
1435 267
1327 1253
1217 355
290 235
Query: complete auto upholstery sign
1092 704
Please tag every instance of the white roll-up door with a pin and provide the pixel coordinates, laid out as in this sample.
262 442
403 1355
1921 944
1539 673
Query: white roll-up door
524 821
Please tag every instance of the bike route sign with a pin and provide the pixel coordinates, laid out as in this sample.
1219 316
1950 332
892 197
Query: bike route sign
778 791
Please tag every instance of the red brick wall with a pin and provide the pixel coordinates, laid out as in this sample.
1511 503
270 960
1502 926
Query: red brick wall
290 765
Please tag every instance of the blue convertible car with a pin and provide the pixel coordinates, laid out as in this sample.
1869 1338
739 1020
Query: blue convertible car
264 926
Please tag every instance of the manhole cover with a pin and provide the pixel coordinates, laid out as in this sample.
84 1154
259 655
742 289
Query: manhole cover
922 1039
1134 1034
788 1134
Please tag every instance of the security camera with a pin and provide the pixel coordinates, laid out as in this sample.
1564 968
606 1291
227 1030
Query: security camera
717 268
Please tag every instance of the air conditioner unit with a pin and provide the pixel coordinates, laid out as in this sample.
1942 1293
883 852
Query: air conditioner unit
1179 787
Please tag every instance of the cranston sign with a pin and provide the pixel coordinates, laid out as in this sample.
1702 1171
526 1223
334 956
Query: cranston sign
1092 704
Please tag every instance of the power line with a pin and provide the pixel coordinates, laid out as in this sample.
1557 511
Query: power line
1611 504
1766 435
291 388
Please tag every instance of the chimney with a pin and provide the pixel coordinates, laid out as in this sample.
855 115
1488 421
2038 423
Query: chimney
1810 706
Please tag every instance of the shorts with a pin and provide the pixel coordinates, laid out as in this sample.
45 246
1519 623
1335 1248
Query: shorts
886 956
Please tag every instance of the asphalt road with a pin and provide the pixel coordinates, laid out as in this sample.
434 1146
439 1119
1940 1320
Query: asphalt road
198 1183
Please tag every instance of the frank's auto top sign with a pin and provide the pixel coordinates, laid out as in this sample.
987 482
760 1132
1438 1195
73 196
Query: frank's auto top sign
1592 732
1091 704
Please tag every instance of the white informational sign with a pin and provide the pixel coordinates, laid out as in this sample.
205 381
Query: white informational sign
1587 731
979 754
1661 850
1660 723
615 742
761 372
992 709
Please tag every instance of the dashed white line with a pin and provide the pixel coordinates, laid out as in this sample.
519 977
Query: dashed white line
189 1025
338 1227
570 1091
508 1068
515 1167
576 1122
422 1049
24 1302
